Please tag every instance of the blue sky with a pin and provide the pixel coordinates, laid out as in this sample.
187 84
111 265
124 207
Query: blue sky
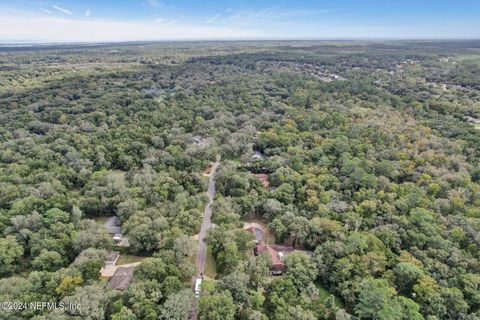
126 20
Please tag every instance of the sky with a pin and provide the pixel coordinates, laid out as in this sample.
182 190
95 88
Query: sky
150 20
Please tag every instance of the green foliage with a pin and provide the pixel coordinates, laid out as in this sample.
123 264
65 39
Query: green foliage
10 252
217 307
368 154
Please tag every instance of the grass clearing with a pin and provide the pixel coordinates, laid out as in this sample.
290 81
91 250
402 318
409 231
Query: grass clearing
127 258
323 294
101 220
210 266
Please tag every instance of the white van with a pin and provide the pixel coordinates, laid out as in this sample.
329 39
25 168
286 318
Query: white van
198 285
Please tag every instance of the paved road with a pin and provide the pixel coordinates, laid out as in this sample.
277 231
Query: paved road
206 223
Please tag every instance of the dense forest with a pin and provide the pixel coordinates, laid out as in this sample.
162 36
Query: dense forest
371 151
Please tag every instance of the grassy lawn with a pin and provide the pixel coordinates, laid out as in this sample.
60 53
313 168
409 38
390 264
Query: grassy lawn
101 220
126 258
210 267
324 294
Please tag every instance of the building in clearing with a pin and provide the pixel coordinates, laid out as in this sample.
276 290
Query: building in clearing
277 254
114 227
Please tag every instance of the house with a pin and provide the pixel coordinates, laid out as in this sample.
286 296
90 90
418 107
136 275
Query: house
121 278
277 254
114 227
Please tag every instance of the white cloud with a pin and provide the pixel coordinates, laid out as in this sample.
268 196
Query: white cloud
215 17
268 16
46 10
37 28
154 3
87 13
62 9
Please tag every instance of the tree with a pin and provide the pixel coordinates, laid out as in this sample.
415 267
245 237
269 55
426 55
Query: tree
400 308
144 230
68 285
428 294
10 253
183 247
94 302
91 235
89 262
237 284
258 269
218 306
48 261
228 258
103 192
124 314
373 297
322 230
407 275
179 306
301 269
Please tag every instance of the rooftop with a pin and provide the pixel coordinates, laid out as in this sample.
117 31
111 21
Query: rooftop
121 278
258 232
113 225
113 256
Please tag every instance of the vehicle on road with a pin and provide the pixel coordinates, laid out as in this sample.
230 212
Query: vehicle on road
198 287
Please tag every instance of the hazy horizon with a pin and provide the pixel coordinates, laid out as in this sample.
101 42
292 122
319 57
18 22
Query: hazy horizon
156 20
